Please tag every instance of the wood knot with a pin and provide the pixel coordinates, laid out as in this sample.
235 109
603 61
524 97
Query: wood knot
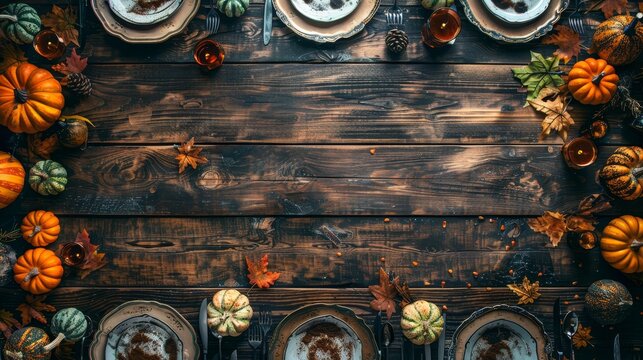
212 179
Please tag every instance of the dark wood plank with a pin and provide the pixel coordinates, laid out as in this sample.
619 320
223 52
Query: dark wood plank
357 103
461 303
320 180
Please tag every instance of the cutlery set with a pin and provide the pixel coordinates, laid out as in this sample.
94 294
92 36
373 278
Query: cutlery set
568 329
385 335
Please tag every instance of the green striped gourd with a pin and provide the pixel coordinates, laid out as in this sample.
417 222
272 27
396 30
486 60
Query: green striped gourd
434 4
20 23
619 39
70 322
422 322
48 177
29 343
233 8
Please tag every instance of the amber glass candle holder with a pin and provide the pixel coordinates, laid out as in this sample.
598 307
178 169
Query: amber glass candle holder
73 254
48 44
209 54
588 240
580 153
442 28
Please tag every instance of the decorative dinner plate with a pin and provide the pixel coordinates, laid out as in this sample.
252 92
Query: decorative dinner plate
323 331
144 328
144 12
500 332
480 16
325 10
150 34
324 32
516 11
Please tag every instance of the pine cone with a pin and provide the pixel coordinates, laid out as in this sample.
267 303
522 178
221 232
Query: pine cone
78 83
396 40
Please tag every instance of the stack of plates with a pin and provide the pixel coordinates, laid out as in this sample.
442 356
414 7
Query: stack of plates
145 21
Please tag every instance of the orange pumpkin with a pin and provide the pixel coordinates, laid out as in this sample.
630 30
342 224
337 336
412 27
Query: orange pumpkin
592 81
622 244
31 100
12 179
619 39
38 271
40 228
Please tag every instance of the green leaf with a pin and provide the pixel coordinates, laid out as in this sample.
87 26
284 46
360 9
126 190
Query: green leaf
540 73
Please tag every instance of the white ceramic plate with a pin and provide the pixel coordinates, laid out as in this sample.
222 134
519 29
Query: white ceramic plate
158 339
144 12
304 341
325 10
516 11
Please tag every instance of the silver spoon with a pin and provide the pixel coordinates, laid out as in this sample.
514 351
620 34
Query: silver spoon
388 334
570 326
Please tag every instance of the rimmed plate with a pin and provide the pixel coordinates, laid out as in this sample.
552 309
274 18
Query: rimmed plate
516 11
325 10
144 12
324 32
500 332
330 331
481 17
151 34
161 324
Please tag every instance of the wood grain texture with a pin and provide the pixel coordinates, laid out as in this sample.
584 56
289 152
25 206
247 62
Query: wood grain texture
320 180
317 103
460 302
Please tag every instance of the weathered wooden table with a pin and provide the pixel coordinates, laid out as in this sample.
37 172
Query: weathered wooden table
288 130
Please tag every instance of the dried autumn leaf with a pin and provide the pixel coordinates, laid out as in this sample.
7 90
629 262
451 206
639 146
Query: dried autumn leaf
404 291
579 223
33 308
557 119
258 273
582 337
593 204
40 146
63 22
189 155
527 292
385 294
10 54
552 224
539 74
610 7
7 323
93 259
74 64
567 40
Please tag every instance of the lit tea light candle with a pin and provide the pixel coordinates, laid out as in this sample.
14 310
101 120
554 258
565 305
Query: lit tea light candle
580 153
588 240
48 44
209 54
442 28
73 254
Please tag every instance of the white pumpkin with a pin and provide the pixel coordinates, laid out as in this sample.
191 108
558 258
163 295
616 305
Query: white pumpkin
422 322
229 313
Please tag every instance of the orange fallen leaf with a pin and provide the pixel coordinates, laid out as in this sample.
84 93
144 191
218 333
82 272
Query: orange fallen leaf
579 223
527 291
385 294
258 273
33 309
610 7
551 224
567 40
74 64
189 155
582 337
63 22
8 323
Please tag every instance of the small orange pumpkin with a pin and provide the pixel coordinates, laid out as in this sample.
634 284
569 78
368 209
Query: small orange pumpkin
622 244
592 81
40 228
31 99
38 271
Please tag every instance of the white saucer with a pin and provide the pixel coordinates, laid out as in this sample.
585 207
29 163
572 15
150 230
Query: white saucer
516 11
132 11
325 10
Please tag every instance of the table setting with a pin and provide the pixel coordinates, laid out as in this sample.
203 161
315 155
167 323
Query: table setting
321 179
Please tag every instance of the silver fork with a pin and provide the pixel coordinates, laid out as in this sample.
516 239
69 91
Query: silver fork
575 19
255 338
394 16
265 320
212 20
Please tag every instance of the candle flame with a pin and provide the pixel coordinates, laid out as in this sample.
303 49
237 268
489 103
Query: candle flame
443 25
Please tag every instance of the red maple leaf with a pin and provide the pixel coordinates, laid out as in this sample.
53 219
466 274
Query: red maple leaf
74 64
94 260
33 308
258 273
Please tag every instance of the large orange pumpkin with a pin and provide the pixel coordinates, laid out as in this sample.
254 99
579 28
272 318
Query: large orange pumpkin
592 81
12 179
38 271
40 228
619 39
622 244
31 100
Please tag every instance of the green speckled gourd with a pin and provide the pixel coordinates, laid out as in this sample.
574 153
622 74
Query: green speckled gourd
434 4
20 23
608 302
70 322
233 8
48 177
29 343
422 322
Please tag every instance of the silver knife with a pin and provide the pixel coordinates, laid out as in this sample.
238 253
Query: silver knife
427 352
267 21
617 347
203 327
233 356
442 338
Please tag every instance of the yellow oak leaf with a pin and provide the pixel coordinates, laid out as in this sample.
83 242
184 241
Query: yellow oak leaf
527 292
